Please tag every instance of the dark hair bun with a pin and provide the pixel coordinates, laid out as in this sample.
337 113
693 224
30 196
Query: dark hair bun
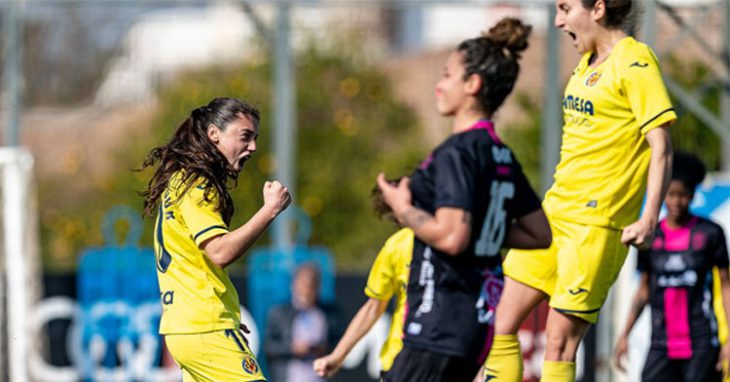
511 34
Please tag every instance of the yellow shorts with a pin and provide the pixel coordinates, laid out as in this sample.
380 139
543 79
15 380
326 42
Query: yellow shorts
219 356
577 270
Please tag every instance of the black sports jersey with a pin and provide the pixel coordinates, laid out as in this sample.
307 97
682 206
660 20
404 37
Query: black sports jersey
679 265
475 172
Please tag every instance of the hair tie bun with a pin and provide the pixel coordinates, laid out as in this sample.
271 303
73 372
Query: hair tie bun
510 35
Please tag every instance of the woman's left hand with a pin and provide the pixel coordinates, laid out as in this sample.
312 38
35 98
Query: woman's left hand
640 234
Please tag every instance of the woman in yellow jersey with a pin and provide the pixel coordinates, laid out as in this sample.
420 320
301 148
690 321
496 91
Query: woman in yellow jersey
194 243
388 278
615 149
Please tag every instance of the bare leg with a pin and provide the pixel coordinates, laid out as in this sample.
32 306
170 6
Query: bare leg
505 359
563 333
515 304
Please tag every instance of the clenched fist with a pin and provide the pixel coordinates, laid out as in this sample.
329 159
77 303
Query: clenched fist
276 196
327 366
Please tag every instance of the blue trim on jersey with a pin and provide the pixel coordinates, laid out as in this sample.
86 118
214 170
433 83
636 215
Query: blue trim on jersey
208 229
163 257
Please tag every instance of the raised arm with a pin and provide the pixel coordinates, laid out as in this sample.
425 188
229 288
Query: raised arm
448 230
223 250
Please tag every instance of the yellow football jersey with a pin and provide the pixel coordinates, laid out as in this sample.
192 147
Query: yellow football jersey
719 309
388 277
197 296
604 157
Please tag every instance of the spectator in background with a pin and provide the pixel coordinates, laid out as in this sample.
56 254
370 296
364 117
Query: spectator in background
298 332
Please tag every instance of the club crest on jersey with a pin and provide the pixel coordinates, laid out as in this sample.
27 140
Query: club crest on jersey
698 241
593 79
249 365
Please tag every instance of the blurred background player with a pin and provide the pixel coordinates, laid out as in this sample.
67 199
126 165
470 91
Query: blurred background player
299 331
676 281
193 244
615 149
387 279
467 200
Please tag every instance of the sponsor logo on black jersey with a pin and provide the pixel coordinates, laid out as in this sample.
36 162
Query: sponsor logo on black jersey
502 155
427 281
687 278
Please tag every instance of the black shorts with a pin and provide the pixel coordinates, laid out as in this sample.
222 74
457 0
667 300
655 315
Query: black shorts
700 368
416 365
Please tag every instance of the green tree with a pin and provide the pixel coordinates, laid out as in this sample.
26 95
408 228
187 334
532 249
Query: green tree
688 132
350 127
524 138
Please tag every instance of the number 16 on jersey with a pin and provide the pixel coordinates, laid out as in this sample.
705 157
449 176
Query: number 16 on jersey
495 227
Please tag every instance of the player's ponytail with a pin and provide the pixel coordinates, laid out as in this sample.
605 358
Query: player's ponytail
494 57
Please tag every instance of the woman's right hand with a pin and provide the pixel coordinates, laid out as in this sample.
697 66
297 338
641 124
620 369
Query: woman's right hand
276 196
396 196
619 353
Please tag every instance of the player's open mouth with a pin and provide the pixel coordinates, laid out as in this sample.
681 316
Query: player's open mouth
243 160
572 36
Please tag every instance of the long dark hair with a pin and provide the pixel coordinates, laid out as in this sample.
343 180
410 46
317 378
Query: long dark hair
493 57
191 151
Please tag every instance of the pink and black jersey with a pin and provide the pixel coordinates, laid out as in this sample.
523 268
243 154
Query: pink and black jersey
450 299
679 265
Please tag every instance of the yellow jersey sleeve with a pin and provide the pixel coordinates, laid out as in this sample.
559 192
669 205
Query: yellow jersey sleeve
384 278
644 88
203 219
381 283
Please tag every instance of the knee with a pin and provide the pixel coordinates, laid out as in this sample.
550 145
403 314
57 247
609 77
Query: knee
559 347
